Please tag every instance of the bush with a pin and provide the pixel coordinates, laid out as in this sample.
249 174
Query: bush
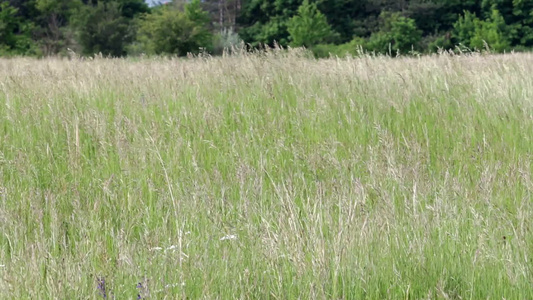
465 28
493 32
434 43
226 40
172 31
472 32
397 34
353 48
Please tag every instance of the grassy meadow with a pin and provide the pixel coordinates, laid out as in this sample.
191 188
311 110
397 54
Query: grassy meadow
267 176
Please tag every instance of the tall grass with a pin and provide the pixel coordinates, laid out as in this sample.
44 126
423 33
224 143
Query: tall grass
267 176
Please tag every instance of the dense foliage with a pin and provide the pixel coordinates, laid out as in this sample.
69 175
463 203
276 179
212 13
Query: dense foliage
174 31
121 27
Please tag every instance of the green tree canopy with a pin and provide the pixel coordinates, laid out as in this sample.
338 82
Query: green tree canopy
15 32
169 30
52 32
309 27
115 27
106 26
475 33
397 34
103 29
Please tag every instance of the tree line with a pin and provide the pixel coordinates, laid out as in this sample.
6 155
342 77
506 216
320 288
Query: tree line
131 27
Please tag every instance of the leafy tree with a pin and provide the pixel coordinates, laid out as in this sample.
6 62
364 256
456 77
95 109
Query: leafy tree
26 9
195 13
518 15
109 26
426 15
397 33
265 21
449 11
309 27
169 30
474 33
345 17
106 26
492 31
132 8
465 28
14 32
103 29
53 33
523 11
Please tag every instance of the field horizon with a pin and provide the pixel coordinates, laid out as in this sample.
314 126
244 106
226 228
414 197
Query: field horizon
267 176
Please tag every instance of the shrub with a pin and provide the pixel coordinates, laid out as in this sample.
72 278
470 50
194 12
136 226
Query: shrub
397 34
434 43
475 33
353 48
172 31
226 39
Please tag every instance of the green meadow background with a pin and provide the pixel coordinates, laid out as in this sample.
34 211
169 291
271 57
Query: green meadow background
267 176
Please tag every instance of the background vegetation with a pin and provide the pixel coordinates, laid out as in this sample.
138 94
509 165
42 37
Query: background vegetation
267 175
121 27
